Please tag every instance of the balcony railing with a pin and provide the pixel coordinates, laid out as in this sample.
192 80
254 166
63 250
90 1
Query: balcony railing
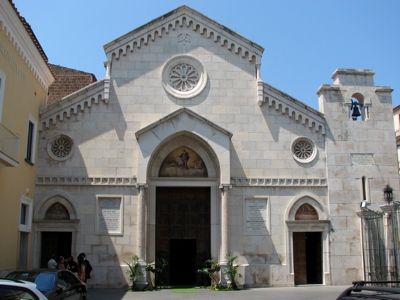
9 147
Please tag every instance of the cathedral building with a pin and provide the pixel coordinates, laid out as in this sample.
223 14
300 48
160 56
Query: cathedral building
182 152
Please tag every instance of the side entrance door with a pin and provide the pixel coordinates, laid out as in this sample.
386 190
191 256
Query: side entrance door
307 257
57 243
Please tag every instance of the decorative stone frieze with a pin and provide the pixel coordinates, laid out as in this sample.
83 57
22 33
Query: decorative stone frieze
291 107
74 103
287 182
186 20
72 180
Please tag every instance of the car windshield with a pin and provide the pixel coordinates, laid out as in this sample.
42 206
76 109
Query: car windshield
45 281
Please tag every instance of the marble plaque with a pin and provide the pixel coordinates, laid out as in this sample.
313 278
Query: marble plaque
366 159
256 216
109 215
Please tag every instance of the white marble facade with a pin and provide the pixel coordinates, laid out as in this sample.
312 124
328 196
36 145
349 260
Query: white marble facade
185 81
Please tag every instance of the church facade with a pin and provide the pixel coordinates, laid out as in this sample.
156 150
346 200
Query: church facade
182 152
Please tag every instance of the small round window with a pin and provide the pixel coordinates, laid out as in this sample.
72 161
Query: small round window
60 148
304 150
184 77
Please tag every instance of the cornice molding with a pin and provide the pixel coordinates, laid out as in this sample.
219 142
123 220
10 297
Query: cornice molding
291 107
276 182
74 103
11 25
76 180
184 17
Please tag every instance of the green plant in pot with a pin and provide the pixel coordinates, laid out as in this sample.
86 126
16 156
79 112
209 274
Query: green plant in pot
211 268
231 271
159 270
134 271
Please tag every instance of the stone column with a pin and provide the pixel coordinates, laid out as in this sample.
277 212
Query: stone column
388 232
224 222
141 222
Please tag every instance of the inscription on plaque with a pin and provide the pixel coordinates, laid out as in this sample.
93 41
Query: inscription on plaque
256 216
362 159
109 215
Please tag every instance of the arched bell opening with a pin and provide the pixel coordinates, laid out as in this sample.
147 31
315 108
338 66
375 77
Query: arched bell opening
358 111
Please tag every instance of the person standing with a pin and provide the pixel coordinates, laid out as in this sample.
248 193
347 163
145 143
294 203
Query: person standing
52 264
81 268
88 266
72 265
60 263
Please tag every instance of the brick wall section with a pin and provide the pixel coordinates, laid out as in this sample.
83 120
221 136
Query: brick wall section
68 81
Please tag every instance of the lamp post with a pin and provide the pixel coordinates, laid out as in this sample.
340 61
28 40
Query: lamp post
388 194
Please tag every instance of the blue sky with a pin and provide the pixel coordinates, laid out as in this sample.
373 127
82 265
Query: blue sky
305 41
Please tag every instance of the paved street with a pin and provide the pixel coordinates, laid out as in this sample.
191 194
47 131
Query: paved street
298 293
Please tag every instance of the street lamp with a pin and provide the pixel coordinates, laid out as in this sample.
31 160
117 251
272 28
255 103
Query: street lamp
388 194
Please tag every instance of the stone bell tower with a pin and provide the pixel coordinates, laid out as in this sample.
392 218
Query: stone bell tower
361 160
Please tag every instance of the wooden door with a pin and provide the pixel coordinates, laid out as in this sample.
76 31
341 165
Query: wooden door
183 213
299 258
307 257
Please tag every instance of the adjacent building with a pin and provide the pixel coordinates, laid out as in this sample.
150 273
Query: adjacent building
24 80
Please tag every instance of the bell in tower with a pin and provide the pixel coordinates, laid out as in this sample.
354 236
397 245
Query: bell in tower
355 110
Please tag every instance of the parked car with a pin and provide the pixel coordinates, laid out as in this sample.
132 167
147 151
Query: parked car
54 283
372 290
19 289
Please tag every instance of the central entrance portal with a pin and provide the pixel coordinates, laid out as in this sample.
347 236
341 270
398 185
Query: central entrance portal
183 232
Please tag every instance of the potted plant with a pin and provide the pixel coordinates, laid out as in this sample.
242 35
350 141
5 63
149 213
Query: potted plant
134 271
211 268
157 271
231 271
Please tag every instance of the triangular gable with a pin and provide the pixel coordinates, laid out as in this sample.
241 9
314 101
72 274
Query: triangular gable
184 120
184 16
182 111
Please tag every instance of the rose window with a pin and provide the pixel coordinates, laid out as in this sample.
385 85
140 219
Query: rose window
303 150
60 148
184 77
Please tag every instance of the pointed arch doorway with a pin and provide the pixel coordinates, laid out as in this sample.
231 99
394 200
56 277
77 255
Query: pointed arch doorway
56 226
308 226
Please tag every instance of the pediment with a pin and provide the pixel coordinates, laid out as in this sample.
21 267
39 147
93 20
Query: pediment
184 122
184 17
181 120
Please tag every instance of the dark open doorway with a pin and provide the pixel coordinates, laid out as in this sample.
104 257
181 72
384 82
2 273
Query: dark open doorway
307 257
183 262
57 243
